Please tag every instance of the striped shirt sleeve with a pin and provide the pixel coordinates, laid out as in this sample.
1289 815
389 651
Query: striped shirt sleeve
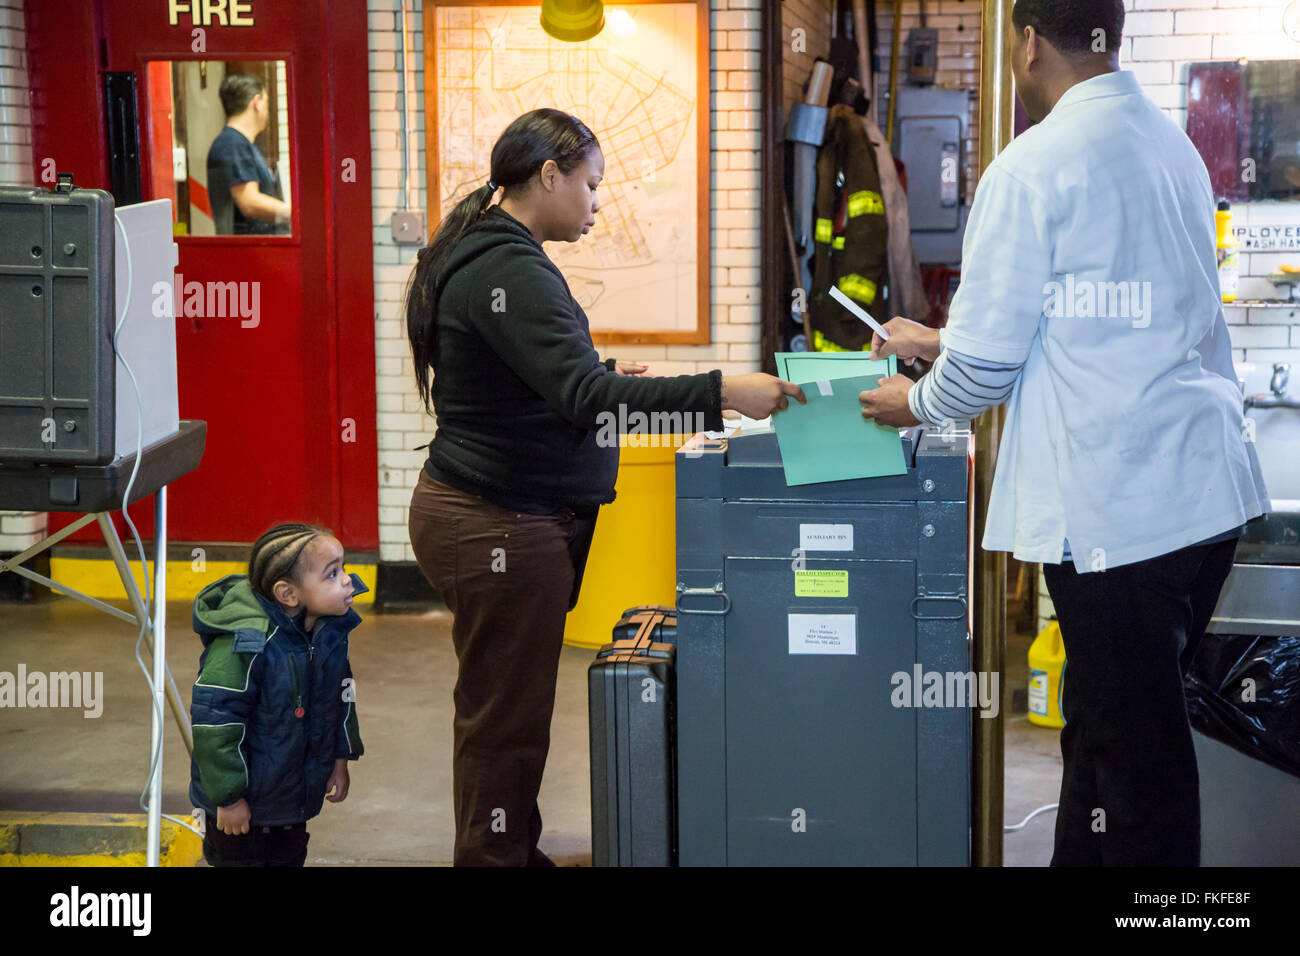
959 387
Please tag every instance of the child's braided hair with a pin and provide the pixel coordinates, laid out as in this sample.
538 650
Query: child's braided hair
276 553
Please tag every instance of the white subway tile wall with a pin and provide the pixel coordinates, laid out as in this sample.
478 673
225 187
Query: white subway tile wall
19 530
15 106
734 113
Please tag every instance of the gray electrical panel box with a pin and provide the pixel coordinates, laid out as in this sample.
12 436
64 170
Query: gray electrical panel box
57 382
931 142
805 615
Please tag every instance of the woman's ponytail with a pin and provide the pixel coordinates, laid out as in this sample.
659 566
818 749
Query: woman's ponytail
422 297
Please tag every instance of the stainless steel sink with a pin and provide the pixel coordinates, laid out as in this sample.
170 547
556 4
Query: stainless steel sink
1271 539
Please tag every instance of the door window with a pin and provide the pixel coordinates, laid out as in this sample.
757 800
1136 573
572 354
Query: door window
221 149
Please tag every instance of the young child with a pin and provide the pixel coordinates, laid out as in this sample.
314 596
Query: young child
273 709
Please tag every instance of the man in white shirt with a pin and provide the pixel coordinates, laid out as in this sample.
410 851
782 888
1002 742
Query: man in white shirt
1090 303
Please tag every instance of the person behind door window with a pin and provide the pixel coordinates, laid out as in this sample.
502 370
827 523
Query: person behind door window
503 514
244 192
1124 466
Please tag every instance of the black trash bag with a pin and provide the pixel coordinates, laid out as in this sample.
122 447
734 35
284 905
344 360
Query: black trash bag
1226 671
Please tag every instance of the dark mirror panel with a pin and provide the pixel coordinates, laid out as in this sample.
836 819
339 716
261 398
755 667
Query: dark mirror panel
1244 119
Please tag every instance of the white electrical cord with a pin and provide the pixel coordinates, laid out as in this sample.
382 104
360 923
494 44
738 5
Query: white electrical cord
1022 823
156 755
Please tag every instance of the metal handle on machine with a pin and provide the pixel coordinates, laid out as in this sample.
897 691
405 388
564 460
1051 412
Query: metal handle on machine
716 591
956 598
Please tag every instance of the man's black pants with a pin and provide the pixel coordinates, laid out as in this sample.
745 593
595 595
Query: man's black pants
1129 790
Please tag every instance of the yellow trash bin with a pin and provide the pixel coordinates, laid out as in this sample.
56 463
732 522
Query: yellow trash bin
633 557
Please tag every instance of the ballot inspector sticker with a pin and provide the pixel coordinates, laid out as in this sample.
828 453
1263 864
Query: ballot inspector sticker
823 633
821 584
826 537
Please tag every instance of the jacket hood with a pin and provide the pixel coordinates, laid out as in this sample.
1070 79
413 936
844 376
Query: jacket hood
230 605
495 227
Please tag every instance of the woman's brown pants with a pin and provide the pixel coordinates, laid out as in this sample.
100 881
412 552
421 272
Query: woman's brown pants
509 579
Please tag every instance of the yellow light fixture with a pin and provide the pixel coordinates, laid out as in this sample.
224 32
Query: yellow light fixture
621 22
573 20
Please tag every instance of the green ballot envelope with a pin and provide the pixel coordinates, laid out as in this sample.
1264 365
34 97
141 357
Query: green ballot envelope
828 439
802 367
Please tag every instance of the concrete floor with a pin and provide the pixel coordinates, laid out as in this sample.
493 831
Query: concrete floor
398 812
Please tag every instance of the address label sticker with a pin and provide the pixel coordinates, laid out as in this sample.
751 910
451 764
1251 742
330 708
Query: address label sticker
826 537
823 633
821 583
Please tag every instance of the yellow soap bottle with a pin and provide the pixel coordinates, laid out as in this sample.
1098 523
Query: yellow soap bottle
1228 250
1046 668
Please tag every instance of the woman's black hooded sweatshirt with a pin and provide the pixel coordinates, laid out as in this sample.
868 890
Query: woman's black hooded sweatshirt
518 387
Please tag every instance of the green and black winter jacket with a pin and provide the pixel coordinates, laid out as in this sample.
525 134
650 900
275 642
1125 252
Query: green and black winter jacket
273 706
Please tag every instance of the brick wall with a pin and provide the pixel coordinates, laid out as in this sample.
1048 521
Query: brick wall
813 17
18 530
734 114
401 424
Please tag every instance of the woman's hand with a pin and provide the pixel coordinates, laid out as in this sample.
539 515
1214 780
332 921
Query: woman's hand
908 340
758 395
631 368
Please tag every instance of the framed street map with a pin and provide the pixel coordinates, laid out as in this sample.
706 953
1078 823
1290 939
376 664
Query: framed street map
642 86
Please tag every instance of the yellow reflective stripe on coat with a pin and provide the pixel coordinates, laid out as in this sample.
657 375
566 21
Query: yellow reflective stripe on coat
824 230
865 201
822 344
838 243
858 287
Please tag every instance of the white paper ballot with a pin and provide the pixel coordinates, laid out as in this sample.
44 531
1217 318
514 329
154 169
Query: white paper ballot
860 312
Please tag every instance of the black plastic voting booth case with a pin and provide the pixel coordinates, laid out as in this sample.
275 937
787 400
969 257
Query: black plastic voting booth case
807 616
630 696
57 313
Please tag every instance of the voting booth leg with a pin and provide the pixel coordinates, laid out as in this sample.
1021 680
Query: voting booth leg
141 614
164 689
160 673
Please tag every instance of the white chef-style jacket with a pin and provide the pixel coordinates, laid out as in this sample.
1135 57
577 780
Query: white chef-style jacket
1124 432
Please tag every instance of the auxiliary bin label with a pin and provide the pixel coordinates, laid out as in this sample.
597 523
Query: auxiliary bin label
826 537
821 583
823 633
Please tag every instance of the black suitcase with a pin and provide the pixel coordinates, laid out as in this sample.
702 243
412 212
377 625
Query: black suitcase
633 743
664 628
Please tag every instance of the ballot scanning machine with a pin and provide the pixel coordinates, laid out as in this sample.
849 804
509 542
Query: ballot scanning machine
823 658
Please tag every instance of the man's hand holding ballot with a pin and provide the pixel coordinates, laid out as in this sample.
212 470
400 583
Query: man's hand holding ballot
887 403
907 339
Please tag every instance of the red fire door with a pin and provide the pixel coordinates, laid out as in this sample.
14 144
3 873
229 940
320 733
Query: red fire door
274 309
